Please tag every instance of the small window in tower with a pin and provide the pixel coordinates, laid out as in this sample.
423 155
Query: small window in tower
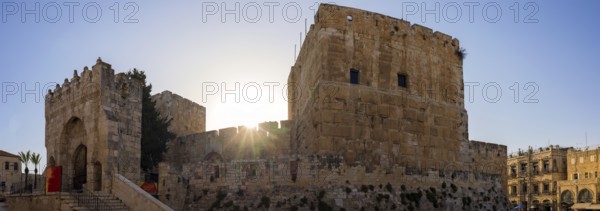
354 79
402 81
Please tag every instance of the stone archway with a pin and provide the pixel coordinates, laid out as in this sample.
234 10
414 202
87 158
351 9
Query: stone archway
97 176
72 154
79 167
566 199
585 196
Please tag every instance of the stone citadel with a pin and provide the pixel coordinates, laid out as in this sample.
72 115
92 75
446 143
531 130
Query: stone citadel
377 121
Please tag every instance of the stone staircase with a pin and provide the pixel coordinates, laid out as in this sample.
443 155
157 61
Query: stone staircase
85 201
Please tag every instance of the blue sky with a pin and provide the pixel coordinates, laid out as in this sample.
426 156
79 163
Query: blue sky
549 55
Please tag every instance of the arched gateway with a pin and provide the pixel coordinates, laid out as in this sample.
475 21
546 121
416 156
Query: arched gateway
93 129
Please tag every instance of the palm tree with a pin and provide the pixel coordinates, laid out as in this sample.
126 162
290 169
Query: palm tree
35 159
25 158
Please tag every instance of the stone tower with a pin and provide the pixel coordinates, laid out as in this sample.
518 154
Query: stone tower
377 91
93 128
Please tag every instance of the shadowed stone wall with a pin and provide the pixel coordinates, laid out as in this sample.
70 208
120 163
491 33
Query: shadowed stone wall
93 128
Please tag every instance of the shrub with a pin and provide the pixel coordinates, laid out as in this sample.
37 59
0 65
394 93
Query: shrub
364 188
389 188
454 188
324 206
348 190
265 201
304 200
321 195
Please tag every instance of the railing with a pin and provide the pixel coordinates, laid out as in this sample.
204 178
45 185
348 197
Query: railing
88 199
28 187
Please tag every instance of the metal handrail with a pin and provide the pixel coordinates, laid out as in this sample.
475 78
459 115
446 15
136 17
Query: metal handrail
88 199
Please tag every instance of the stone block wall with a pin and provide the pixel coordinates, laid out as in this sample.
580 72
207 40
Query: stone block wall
377 122
246 183
268 141
93 127
47 202
353 146
135 197
186 116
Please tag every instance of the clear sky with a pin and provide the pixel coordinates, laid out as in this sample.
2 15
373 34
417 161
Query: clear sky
542 55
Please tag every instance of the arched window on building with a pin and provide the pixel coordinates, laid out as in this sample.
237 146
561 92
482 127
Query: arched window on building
585 196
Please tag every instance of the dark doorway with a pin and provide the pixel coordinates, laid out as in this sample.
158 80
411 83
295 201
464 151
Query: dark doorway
97 176
79 167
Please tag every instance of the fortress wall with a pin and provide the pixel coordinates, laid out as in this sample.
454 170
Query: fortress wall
377 122
186 116
98 113
195 185
231 143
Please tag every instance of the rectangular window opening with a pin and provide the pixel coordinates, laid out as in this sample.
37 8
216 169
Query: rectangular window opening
402 82
354 77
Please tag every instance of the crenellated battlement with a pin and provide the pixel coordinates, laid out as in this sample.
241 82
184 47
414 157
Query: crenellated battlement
269 139
263 129
91 81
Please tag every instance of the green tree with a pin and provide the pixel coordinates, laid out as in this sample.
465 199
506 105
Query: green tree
155 133
25 158
36 158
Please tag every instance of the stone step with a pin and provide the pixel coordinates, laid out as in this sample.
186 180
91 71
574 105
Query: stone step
88 203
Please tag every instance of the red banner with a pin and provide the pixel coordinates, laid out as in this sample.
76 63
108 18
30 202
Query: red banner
149 187
53 175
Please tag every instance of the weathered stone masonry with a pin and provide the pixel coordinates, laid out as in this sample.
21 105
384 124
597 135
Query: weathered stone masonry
376 143
93 128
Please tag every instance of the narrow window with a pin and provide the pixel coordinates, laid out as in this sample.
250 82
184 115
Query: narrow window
402 81
354 76
575 176
16 166
6 165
